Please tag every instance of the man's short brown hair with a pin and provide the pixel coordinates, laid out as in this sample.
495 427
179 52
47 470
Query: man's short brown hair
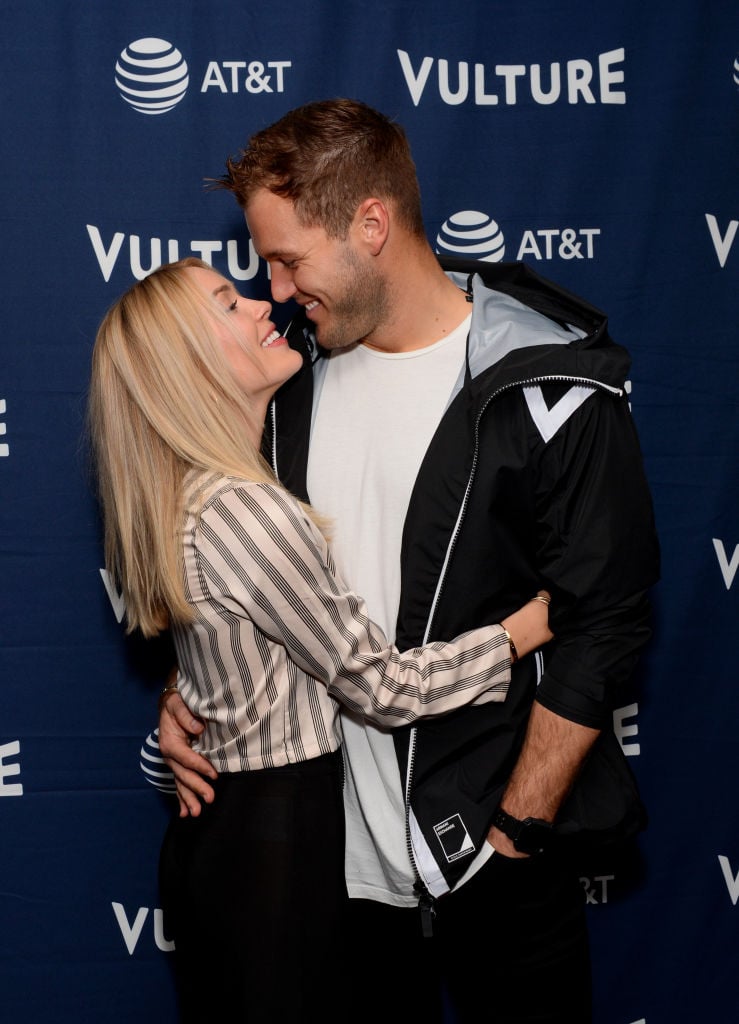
326 157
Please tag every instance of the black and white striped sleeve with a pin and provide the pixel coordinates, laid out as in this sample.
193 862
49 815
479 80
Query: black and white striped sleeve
264 559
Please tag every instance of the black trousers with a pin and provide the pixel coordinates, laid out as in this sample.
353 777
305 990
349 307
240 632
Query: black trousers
509 947
254 897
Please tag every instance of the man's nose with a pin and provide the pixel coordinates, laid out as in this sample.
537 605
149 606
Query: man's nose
282 284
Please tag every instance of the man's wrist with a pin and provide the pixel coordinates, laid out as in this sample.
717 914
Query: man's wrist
528 835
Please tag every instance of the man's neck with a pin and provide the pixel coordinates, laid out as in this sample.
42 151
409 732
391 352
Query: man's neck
426 306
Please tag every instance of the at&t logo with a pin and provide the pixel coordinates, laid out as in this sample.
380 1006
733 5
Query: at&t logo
475 234
152 765
8 750
596 888
151 75
4 448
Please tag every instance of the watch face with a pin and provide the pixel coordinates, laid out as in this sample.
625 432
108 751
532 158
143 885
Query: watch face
533 836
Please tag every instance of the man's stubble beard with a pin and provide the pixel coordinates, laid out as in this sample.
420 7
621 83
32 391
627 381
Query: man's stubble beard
360 308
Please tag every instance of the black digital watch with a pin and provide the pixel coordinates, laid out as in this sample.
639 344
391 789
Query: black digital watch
532 835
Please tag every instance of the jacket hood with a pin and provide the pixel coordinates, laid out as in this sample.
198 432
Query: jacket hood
525 328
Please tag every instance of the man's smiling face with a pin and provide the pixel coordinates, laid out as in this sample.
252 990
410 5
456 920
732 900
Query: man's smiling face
334 280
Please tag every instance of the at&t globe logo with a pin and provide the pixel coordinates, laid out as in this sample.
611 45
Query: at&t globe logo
477 236
152 765
473 234
151 76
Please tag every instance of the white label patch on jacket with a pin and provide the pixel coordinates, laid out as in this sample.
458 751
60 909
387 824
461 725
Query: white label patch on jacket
454 838
548 421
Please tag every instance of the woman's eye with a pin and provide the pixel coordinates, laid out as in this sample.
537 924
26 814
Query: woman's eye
232 306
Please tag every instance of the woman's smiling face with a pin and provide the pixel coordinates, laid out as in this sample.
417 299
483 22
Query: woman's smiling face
260 357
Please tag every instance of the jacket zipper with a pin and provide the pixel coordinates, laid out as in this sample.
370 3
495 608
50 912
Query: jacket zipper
426 900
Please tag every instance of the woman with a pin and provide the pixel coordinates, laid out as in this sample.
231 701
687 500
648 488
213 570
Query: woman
204 541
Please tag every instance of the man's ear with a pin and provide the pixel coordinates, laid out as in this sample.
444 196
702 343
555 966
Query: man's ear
372 224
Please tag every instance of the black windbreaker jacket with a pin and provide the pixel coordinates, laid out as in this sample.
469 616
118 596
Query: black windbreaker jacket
533 479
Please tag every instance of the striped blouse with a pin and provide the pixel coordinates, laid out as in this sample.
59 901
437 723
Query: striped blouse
278 637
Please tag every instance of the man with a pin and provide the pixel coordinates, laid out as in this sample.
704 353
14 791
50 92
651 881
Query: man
471 439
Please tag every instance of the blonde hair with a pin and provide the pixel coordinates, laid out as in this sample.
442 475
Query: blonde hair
162 400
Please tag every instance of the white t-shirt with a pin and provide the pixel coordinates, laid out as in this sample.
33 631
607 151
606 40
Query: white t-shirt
376 414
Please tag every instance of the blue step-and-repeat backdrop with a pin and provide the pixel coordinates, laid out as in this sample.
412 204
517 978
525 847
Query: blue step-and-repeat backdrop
598 142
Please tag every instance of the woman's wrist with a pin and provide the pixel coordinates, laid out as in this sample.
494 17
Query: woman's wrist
528 627
511 646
